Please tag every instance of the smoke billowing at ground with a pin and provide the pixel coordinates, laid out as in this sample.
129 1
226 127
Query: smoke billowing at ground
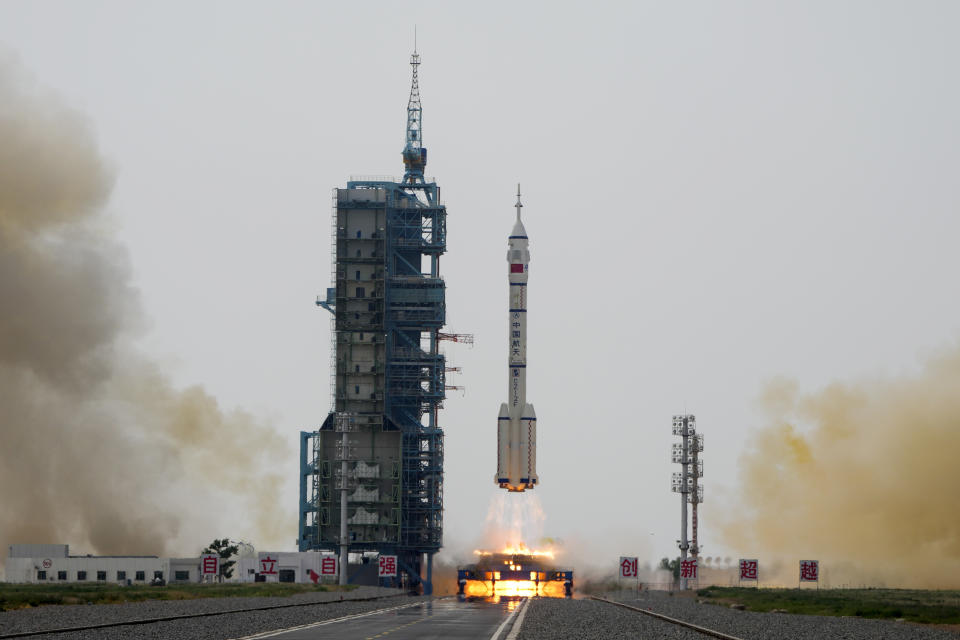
862 476
98 449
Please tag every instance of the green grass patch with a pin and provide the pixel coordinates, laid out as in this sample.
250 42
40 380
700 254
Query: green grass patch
20 596
914 605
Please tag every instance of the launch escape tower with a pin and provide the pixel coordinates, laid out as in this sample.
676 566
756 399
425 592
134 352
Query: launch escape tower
371 478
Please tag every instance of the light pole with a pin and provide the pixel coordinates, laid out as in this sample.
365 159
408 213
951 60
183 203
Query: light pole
686 481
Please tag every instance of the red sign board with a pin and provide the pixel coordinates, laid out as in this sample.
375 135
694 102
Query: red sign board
688 568
749 569
209 564
268 564
388 566
328 566
628 567
809 571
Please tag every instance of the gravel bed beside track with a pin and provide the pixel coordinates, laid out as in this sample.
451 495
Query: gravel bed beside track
775 626
214 628
552 618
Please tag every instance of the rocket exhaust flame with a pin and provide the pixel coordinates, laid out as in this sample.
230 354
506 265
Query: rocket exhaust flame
515 588
520 549
515 569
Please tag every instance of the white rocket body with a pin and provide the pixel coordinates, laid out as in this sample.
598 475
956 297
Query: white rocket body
517 422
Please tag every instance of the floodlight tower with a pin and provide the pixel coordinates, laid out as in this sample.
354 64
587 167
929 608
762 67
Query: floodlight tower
695 497
686 482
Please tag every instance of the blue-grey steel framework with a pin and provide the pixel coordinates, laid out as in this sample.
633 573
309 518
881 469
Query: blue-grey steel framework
407 310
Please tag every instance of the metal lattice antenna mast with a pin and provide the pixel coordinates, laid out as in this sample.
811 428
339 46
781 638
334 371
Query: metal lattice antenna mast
414 155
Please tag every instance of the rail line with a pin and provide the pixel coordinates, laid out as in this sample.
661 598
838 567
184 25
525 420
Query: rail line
187 616
680 623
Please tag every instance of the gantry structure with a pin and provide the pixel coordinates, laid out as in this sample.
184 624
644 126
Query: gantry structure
371 478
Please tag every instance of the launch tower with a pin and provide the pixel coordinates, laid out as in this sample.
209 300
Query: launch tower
371 478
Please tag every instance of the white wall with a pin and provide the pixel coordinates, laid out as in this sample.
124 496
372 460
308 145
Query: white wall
28 569
300 562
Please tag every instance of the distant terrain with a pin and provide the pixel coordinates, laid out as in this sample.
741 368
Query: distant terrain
913 605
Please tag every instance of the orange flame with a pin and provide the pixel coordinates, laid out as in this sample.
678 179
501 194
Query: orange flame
479 588
518 549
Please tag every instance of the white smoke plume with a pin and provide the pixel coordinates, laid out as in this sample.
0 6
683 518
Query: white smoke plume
97 448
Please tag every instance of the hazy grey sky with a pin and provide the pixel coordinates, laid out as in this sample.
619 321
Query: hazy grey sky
717 194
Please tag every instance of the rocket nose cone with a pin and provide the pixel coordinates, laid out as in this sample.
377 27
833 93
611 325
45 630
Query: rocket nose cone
519 230
504 411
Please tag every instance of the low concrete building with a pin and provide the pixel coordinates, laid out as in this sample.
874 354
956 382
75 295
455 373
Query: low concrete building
35 563
286 566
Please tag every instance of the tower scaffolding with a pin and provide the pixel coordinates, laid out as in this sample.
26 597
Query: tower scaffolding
383 490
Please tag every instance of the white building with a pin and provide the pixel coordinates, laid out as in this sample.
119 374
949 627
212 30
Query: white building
287 566
35 563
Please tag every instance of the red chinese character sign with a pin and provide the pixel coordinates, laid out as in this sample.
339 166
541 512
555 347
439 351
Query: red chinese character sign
809 571
328 566
749 569
628 567
688 569
209 564
388 566
268 564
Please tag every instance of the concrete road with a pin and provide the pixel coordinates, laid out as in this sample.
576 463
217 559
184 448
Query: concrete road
442 619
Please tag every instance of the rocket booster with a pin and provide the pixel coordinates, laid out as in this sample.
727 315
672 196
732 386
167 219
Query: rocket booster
517 422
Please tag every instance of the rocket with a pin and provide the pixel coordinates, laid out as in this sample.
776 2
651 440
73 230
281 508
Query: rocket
517 422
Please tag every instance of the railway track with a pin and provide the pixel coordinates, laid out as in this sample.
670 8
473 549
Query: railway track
188 616
680 623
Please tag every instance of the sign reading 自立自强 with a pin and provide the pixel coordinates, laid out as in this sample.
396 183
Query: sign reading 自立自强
328 566
388 566
209 564
268 564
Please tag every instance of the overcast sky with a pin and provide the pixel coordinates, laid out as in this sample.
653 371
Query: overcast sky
716 193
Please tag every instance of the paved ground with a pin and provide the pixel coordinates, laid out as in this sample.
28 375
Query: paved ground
318 607
431 620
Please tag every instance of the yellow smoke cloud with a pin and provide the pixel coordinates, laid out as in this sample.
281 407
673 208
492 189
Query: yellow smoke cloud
863 476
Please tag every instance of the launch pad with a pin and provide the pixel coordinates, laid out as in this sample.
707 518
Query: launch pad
514 573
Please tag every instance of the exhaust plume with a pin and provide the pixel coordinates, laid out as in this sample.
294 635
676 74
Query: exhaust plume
99 450
513 520
862 476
